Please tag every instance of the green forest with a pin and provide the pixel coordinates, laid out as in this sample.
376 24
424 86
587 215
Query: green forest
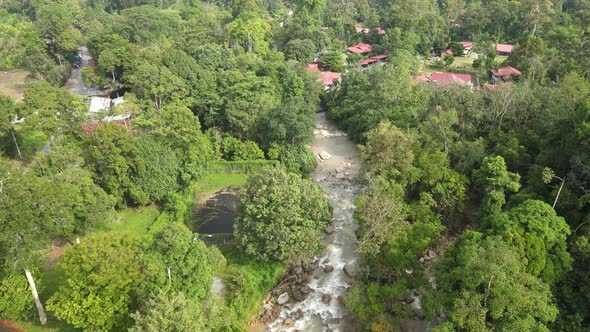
119 118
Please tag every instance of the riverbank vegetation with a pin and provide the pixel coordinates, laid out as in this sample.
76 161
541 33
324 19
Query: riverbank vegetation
475 179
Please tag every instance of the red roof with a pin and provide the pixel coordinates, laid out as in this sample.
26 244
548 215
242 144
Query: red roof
360 48
422 78
380 31
467 44
506 72
449 51
368 61
462 11
328 77
442 79
504 48
90 128
380 56
312 67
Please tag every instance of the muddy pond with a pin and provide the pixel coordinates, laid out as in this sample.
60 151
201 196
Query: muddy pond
216 214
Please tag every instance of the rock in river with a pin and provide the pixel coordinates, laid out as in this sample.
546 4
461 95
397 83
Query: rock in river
325 155
328 268
326 298
350 268
283 298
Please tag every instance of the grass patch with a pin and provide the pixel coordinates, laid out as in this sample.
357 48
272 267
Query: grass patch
247 283
133 221
211 183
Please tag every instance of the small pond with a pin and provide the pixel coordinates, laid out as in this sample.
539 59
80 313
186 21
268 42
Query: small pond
216 214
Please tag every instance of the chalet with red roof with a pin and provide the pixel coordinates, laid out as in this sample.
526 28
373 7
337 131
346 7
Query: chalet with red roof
504 49
444 79
314 66
374 59
327 78
360 48
446 53
90 128
505 74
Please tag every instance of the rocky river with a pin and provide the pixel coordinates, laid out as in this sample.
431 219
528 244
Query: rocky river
316 302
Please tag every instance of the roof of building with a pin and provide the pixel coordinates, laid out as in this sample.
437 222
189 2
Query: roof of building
360 48
496 87
423 78
90 128
314 66
328 77
442 79
380 31
504 48
448 51
98 104
463 11
506 72
368 61
380 56
467 44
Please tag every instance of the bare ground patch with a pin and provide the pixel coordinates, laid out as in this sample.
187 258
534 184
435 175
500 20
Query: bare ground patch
12 83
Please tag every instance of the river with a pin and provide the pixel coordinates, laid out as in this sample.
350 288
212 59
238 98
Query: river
334 176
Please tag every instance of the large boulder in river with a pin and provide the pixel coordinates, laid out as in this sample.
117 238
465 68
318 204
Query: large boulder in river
325 155
283 298
350 268
326 298
328 268
329 230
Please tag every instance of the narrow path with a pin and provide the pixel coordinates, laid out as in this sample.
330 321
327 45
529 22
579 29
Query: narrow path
333 175
75 84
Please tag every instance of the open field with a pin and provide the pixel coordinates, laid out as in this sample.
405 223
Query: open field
12 83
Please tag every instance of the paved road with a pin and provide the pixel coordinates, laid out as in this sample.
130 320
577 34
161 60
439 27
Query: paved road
75 84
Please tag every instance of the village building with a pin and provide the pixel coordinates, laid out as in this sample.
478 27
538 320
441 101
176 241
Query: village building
504 49
444 79
504 74
360 48
90 128
327 78
373 60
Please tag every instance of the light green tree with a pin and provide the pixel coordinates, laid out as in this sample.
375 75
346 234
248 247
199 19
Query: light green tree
281 216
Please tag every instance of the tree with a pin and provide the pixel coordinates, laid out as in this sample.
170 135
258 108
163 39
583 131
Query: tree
157 83
234 149
291 123
160 177
102 274
55 23
494 179
175 258
389 152
51 110
482 286
540 236
448 60
333 61
281 216
169 311
115 161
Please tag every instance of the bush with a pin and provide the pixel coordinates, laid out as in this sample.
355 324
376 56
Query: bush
281 216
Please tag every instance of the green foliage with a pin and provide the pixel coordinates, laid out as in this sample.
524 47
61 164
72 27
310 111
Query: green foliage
295 158
169 311
482 285
114 159
189 261
160 173
281 216
236 150
16 301
333 61
103 273
494 179
247 281
540 235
